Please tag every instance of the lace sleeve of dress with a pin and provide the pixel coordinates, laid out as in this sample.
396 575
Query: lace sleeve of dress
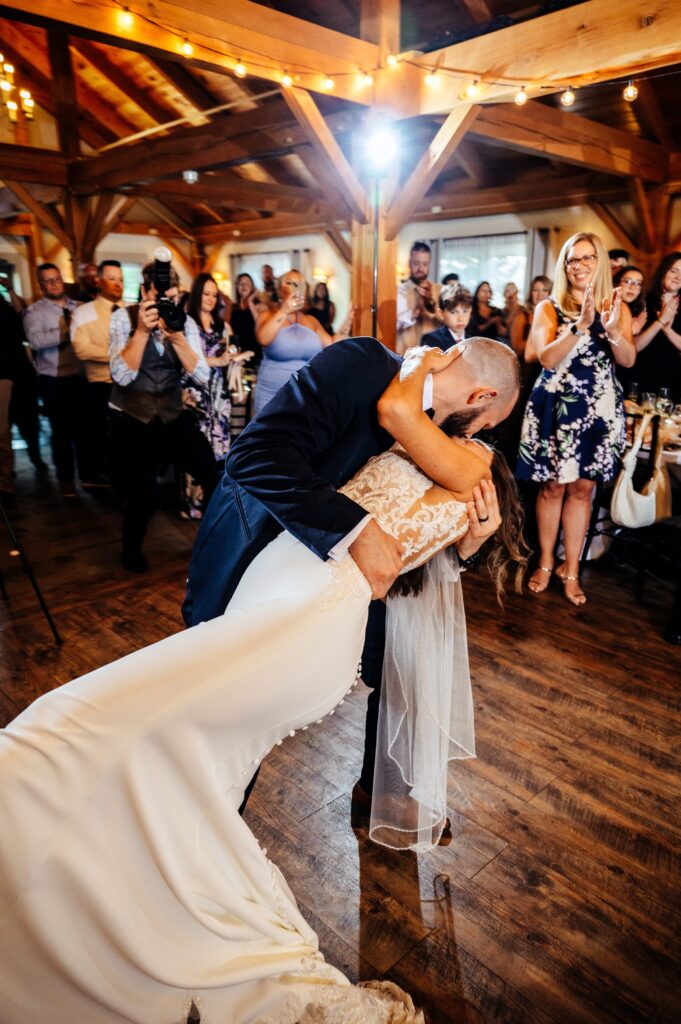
434 522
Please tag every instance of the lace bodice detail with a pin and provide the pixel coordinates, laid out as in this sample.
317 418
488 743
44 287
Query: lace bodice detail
423 516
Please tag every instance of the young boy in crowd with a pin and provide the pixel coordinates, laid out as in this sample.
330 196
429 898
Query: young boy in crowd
455 304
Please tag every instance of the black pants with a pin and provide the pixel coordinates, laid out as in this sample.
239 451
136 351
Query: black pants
372 670
99 414
65 402
138 448
23 411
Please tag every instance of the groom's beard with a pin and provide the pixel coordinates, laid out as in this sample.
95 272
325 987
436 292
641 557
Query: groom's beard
457 423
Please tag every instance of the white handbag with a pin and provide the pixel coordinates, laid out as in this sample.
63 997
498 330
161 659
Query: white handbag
629 507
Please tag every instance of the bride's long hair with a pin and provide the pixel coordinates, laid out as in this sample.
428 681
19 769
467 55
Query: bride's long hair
506 548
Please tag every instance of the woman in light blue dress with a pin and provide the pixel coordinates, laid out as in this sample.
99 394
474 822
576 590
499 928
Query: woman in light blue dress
289 338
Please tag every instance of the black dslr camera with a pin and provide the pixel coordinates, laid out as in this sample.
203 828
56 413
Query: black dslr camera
173 316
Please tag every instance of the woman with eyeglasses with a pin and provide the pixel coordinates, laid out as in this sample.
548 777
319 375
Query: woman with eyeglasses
573 430
659 344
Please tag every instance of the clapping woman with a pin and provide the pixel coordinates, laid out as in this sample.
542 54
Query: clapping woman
659 343
573 430
289 337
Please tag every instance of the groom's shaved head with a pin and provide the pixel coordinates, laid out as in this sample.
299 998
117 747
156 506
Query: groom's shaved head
496 365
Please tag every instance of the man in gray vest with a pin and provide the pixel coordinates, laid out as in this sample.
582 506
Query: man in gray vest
149 423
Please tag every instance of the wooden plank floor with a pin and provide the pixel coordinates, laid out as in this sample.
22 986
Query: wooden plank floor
558 900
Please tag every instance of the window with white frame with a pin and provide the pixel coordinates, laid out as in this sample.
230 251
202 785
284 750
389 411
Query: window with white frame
497 259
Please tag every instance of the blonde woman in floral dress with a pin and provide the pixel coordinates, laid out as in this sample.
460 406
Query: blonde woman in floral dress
573 430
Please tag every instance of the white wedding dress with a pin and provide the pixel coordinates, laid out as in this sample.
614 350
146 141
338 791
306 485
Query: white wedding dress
129 884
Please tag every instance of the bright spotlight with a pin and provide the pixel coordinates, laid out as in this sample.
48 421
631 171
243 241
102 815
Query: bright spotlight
381 150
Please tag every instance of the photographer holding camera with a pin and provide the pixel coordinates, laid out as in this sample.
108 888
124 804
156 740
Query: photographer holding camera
151 345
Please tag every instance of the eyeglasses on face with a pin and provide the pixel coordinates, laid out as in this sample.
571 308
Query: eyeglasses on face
587 261
632 282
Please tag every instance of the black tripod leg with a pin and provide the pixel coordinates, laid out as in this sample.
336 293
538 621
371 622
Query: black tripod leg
29 572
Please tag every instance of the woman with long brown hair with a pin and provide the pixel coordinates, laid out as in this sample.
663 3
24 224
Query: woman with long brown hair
573 430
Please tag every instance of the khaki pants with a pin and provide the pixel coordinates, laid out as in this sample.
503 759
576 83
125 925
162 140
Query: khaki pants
6 454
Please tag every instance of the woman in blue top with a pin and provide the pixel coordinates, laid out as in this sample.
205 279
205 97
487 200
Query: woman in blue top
573 430
289 338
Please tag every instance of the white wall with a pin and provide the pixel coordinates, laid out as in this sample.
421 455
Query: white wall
560 223
321 254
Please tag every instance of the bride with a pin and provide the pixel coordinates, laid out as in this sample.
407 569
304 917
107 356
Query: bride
130 887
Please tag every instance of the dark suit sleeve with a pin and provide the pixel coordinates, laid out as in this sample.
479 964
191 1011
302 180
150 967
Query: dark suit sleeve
272 459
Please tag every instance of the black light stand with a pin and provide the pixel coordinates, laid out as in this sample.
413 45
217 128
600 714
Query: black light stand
26 565
374 296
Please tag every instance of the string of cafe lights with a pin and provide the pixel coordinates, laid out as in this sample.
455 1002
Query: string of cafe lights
290 75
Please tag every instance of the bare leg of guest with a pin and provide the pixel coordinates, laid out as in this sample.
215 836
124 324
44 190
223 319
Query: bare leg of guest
549 508
576 515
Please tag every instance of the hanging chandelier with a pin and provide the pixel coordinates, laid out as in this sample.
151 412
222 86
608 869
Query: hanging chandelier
16 101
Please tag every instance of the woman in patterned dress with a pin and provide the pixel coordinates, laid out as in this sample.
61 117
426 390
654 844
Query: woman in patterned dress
211 404
573 430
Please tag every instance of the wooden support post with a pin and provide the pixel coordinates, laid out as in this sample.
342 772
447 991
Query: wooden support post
363 240
64 91
34 246
338 243
95 224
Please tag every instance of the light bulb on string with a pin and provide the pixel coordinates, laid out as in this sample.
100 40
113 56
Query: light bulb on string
630 92
391 60
240 70
28 107
187 48
430 78
567 98
287 81
367 79
329 83
126 19
8 71
6 89
521 97
13 111
472 90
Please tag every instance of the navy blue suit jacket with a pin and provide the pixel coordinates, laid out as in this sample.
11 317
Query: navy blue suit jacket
441 338
284 470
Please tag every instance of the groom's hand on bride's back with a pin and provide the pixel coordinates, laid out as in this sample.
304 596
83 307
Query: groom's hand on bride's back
379 557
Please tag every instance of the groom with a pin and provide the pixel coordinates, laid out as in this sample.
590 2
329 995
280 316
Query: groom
285 469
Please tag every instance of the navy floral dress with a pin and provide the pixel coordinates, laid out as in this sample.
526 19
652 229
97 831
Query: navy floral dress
573 428
212 407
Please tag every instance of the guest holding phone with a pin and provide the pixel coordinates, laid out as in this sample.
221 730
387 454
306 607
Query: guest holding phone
289 337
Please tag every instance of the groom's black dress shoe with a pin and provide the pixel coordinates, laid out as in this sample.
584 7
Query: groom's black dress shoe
360 812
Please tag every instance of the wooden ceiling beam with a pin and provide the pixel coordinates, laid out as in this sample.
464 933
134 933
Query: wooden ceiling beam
159 209
338 244
479 11
542 130
337 169
616 228
121 209
240 27
31 164
432 163
238 194
582 44
648 239
185 83
379 23
39 211
40 85
114 74
649 114
64 92
265 227
471 163
197 146
467 202
91 106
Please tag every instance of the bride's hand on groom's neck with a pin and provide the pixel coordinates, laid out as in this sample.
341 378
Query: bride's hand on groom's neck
378 556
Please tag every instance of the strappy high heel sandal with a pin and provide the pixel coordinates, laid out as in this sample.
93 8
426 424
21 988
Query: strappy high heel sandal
577 599
534 585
